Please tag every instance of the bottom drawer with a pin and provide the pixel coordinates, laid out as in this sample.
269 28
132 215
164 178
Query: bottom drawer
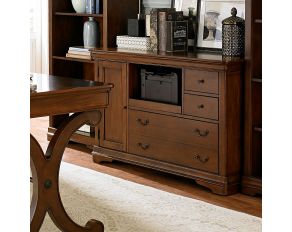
175 153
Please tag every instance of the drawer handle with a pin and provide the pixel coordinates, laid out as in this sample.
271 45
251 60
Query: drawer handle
200 133
143 122
202 81
202 160
201 106
144 146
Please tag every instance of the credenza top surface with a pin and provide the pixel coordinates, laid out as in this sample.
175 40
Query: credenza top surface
192 57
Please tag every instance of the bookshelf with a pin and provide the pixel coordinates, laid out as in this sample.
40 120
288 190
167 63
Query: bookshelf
252 160
66 30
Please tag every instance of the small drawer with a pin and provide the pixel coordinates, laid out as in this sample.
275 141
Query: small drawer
174 129
176 153
201 106
201 81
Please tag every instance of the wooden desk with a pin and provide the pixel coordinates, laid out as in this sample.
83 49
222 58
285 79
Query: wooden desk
54 96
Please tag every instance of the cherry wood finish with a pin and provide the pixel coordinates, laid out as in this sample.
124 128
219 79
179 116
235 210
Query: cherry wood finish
201 106
150 128
57 95
79 154
173 152
113 130
201 81
174 129
252 171
66 29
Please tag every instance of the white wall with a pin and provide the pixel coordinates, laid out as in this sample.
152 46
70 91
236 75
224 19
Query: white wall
39 36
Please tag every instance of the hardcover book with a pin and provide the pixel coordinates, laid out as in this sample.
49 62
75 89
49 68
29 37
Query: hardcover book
154 28
77 52
78 56
162 31
90 6
147 25
78 48
177 36
97 7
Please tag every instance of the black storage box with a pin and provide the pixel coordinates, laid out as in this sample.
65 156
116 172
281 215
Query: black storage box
159 87
136 27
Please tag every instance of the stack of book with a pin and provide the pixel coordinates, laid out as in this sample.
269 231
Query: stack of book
168 30
131 42
79 52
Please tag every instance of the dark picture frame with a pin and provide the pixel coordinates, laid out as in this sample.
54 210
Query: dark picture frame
210 16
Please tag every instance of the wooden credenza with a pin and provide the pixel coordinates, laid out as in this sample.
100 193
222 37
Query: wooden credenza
199 138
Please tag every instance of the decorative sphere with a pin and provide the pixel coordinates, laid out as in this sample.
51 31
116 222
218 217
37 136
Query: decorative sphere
79 5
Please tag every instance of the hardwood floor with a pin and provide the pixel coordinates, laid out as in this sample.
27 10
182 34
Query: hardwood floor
80 155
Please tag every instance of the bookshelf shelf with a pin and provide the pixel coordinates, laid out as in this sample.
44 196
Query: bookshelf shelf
78 14
72 59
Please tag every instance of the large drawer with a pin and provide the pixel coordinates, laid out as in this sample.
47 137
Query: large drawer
201 106
201 81
174 129
175 153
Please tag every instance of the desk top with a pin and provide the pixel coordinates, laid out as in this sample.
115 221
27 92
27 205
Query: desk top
54 84
59 95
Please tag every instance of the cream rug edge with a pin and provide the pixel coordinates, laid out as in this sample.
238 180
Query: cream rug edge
125 206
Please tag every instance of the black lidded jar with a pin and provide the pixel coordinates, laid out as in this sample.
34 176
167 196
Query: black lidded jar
233 35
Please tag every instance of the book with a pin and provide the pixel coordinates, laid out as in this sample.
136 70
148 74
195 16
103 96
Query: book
177 36
162 16
78 52
90 6
154 29
79 48
78 56
97 7
147 24
174 16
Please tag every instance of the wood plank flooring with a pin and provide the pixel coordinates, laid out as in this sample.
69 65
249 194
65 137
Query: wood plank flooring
80 155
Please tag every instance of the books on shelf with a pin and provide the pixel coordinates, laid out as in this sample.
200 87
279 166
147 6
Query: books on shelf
76 56
79 52
154 25
79 48
131 42
167 30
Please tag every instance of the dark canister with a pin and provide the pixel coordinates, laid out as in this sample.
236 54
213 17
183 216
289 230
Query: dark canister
233 35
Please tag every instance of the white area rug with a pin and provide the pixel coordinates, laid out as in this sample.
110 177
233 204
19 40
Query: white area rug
124 206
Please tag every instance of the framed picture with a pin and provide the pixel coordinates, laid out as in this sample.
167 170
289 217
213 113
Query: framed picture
211 14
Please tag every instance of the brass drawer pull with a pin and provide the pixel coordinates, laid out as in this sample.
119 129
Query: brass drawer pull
143 122
202 81
201 106
144 146
202 160
200 133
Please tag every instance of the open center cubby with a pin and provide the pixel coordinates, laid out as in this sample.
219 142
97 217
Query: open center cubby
155 87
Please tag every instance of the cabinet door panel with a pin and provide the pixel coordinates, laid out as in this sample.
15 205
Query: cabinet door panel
113 126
